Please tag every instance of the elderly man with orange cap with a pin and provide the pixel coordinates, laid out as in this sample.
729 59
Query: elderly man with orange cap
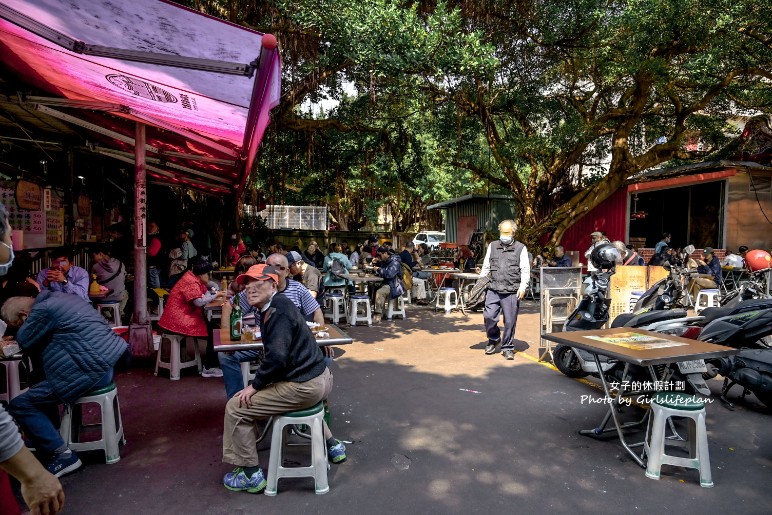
292 376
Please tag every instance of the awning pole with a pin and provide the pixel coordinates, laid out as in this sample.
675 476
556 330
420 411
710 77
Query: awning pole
140 331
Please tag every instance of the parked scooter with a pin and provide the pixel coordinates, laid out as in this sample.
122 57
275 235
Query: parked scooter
744 326
592 313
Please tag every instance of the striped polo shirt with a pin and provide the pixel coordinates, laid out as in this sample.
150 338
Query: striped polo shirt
295 291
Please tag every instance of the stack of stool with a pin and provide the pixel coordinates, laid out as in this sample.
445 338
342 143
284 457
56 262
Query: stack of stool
354 317
673 404
314 418
174 365
111 426
448 297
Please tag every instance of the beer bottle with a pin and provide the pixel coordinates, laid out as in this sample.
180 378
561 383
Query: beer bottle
236 322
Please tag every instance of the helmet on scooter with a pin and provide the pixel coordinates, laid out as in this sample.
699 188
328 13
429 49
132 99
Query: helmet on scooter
605 256
758 260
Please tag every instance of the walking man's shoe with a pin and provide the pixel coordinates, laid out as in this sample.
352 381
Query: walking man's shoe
490 348
508 354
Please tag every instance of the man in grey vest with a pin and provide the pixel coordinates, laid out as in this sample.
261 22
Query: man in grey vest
509 267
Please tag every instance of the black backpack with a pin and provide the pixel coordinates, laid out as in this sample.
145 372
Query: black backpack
337 268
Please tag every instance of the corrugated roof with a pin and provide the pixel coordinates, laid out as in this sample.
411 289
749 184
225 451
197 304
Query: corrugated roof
466 198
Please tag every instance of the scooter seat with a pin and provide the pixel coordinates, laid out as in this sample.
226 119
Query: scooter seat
651 317
711 314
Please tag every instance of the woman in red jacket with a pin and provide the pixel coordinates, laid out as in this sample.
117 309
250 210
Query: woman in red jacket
184 311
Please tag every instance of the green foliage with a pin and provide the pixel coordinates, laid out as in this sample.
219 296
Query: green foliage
543 98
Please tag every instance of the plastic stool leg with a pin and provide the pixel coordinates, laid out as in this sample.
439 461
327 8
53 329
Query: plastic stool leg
110 430
274 461
319 458
703 455
174 369
656 446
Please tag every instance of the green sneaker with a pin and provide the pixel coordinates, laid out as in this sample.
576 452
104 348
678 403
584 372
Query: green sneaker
238 481
337 453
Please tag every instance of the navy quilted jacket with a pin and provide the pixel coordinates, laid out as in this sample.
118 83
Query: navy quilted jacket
77 345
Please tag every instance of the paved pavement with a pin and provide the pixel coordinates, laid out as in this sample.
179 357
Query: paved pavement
435 426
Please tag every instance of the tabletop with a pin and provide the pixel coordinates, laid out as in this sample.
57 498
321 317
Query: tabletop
362 279
638 346
222 340
466 275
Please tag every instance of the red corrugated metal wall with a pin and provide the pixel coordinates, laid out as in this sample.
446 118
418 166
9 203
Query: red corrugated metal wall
610 216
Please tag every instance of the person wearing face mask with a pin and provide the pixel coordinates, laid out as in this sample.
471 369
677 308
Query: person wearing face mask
506 261
41 490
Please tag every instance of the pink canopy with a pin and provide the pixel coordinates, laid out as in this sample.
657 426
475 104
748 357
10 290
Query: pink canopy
203 86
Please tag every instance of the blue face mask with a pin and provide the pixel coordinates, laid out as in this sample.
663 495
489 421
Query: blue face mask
506 240
4 268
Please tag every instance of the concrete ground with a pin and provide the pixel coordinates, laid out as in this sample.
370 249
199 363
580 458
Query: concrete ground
435 426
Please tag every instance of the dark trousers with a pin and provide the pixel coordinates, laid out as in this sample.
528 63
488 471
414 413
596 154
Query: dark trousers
495 304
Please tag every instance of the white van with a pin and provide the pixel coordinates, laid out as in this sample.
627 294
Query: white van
431 238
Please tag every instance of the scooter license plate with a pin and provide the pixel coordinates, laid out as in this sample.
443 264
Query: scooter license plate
695 366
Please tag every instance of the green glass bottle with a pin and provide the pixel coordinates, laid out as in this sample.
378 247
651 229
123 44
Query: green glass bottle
236 323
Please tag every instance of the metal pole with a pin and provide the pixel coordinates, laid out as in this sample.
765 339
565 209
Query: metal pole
140 331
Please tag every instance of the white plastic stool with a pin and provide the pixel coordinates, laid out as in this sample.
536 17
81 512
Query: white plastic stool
337 301
111 426
396 307
174 365
354 317
448 297
672 404
314 418
12 380
406 297
113 308
710 296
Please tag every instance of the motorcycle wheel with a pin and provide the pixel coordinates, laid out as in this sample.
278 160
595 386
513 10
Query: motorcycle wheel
566 361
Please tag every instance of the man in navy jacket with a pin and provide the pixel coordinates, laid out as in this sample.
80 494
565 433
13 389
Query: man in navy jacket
78 351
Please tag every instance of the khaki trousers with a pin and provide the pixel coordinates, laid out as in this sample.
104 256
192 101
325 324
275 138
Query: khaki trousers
239 442
700 283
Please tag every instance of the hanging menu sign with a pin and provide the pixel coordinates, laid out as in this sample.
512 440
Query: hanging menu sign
28 196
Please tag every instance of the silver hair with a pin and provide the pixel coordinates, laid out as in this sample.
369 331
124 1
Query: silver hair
560 247
509 221
13 307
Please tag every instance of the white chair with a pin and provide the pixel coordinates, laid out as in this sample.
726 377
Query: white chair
110 310
396 307
710 296
12 380
448 298
336 301
354 316
111 425
175 364
314 418
673 404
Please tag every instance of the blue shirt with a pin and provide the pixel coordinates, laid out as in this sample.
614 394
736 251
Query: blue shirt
296 292
563 261
77 282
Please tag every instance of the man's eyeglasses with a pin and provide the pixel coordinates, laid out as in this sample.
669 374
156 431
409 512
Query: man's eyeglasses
277 266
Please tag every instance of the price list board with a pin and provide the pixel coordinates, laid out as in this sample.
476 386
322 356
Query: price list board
54 220
32 223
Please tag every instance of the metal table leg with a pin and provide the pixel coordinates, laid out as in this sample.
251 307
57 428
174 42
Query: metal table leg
612 414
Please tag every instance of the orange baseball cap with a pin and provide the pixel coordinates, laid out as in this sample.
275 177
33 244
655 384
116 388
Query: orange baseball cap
260 272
